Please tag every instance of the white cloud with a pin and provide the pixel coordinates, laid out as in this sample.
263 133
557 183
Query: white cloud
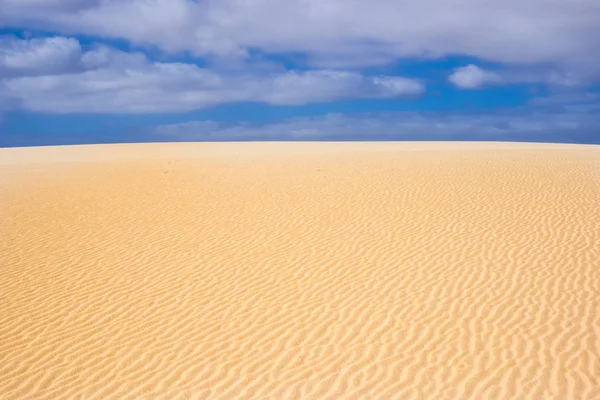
303 87
57 76
58 55
473 77
335 32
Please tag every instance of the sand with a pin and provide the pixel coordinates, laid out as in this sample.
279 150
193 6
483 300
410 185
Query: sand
300 271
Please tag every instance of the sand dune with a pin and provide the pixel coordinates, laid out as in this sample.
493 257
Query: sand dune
289 271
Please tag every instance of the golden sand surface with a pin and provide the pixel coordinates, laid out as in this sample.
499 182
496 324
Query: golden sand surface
300 271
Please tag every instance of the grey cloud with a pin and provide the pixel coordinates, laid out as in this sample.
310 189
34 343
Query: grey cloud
567 98
570 126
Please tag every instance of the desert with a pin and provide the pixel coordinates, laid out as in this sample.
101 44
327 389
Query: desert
300 271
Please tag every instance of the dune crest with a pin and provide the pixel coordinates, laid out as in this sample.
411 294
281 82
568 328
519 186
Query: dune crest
322 271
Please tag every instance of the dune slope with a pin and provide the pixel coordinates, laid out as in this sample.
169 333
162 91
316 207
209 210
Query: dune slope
261 271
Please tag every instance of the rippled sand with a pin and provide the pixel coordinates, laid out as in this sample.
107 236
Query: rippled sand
300 271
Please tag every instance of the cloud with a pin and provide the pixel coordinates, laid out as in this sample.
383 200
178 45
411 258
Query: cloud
473 77
567 98
37 56
303 87
576 125
55 75
58 55
335 33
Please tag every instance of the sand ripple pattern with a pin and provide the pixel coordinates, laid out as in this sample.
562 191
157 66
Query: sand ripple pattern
390 275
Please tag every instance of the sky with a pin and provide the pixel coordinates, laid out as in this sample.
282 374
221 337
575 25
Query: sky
107 71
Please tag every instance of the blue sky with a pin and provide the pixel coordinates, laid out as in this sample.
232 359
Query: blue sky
105 71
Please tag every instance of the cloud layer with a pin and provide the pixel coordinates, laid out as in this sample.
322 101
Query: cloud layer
575 124
334 32
57 75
